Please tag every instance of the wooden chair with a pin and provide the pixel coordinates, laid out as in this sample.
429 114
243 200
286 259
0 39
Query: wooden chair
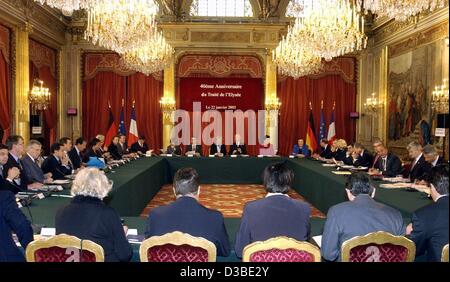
378 247
444 256
177 247
281 249
64 248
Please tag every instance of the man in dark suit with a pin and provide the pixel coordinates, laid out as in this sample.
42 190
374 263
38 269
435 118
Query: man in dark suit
6 182
122 145
359 216
187 215
326 152
238 148
360 156
218 149
420 168
32 169
113 148
276 214
12 220
67 146
76 154
173 149
429 225
387 164
140 146
431 155
16 149
56 163
194 148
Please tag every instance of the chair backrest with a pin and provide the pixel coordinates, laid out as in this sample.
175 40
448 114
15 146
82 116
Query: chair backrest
64 248
281 249
444 256
378 247
177 247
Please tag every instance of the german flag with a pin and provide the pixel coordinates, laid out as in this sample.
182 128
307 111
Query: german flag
311 139
112 128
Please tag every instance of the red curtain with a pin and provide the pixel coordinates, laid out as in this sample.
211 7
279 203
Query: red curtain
97 92
295 96
5 82
146 91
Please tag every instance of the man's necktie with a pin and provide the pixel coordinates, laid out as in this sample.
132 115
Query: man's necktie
384 163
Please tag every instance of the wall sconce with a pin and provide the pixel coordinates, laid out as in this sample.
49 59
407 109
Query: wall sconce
372 104
39 96
439 101
167 105
272 104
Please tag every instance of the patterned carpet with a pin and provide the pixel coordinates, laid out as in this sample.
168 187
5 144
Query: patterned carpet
227 198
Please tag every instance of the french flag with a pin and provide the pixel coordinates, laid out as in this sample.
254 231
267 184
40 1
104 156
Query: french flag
331 129
133 135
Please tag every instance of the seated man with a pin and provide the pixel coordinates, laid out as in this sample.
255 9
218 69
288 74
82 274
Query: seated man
57 163
326 149
122 148
360 156
359 216
266 149
139 147
6 181
387 164
12 220
76 154
218 149
348 159
420 168
113 148
431 155
15 145
33 171
238 148
194 148
429 225
67 146
301 149
173 149
276 214
187 215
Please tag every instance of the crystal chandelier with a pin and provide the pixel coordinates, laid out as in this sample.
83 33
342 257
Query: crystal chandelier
294 59
39 96
68 6
121 25
153 56
332 28
400 10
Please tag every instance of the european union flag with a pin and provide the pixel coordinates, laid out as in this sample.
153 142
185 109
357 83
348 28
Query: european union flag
322 129
122 129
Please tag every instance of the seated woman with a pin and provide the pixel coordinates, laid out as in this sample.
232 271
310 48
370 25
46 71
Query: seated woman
266 149
113 150
339 149
88 218
301 149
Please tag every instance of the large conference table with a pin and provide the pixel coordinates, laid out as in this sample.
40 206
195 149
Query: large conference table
136 183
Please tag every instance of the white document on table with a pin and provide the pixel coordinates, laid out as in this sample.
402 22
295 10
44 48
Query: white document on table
318 240
48 231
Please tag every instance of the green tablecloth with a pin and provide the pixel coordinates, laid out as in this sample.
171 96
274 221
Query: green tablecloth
135 184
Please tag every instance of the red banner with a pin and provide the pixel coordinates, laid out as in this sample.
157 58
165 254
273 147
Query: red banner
222 93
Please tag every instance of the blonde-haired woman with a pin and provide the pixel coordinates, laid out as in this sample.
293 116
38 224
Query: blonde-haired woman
88 218
339 149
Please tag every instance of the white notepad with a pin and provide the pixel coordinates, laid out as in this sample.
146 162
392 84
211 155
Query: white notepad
318 240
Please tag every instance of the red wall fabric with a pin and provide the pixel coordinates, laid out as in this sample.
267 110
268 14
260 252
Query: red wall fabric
97 92
5 81
110 87
146 91
295 96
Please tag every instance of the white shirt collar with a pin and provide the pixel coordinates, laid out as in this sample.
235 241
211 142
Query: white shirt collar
276 194
31 157
435 161
445 195
417 159
78 151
